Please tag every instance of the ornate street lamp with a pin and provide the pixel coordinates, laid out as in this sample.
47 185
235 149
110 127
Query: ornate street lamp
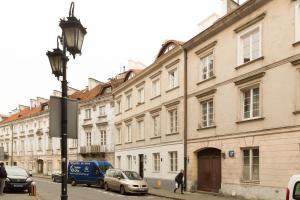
72 38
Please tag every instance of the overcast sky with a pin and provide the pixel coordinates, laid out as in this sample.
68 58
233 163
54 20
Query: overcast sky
117 30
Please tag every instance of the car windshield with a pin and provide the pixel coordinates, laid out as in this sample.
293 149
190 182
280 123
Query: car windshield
132 175
16 172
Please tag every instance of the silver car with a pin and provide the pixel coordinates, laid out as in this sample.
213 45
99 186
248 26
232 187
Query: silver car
125 181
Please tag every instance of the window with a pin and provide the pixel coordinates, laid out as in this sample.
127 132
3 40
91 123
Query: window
207 66
129 105
156 162
250 45
129 162
141 95
102 111
88 114
88 139
251 103
207 109
251 164
49 143
15 147
296 193
141 129
173 120
40 144
156 125
118 106
103 137
7 147
73 143
173 78
119 162
31 144
173 161
156 88
22 147
128 133
119 135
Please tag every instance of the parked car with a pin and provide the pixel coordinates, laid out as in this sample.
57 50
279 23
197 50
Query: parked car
125 181
293 189
17 179
87 172
56 176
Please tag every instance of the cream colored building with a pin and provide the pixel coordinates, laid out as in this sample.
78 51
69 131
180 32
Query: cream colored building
149 119
243 101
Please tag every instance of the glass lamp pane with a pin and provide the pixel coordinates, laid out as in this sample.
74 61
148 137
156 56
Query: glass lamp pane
80 40
70 37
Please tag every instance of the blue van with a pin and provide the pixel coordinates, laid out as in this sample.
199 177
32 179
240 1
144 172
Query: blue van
87 172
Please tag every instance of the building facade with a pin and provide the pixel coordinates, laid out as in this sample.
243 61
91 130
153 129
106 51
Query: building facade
149 119
243 101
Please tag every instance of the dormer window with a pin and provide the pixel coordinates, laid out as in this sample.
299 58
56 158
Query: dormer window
107 90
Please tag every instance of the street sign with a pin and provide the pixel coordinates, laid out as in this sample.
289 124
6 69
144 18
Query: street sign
55 117
1 153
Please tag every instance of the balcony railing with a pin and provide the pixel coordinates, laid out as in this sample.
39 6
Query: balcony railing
94 149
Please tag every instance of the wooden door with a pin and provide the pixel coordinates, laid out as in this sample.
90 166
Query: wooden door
141 165
209 170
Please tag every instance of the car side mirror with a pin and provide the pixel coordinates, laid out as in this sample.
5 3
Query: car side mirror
119 177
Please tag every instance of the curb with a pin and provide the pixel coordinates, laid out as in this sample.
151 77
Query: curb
167 197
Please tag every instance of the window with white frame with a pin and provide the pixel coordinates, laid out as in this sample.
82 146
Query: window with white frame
141 129
118 106
88 114
155 88
129 103
119 135
88 139
156 125
119 162
22 146
297 22
207 111
102 111
251 107
7 147
141 93
173 121
129 162
156 162
207 66
173 78
250 45
128 133
31 144
102 137
15 146
250 164
74 143
173 161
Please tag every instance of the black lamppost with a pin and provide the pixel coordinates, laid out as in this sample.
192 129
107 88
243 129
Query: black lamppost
71 39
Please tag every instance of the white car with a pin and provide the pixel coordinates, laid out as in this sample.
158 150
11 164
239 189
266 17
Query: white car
293 189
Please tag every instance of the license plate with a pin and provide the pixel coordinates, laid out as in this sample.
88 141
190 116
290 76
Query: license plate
18 186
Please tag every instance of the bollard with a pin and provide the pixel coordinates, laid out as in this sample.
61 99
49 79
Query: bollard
32 191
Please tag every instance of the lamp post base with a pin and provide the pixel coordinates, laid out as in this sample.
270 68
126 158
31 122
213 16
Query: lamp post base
64 197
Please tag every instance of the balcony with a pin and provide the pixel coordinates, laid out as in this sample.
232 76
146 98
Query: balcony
94 149
87 122
102 120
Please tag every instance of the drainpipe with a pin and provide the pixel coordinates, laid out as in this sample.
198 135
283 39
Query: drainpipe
12 144
185 116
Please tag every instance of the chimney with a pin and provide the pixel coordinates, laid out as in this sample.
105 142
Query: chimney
41 100
207 22
124 68
229 5
93 83
33 103
135 65
72 90
56 93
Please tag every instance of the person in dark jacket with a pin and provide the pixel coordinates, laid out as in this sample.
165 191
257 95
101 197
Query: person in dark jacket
179 181
3 176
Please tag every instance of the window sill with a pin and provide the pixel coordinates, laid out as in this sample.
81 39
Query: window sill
249 181
172 172
155 137
208 79
140 140
155 97
128 109
129 142
250 62
140 103
87 119
102 116
72 147
156 172
171 89
208 127
296 112
169 134
250 120
118 114
296 44
119 144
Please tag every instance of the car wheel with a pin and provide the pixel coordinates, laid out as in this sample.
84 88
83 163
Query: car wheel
89 185
106 187
122 190
100 183
73 182
53 179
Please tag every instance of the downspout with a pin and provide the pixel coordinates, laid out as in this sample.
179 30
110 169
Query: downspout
12 144
185 116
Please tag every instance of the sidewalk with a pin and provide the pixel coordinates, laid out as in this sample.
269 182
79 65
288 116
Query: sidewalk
18 196
187 195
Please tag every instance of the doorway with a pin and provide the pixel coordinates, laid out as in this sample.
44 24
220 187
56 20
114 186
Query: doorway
141 165
209 170
40 163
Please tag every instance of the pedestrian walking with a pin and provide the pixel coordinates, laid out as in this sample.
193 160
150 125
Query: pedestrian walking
179 181
3 176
